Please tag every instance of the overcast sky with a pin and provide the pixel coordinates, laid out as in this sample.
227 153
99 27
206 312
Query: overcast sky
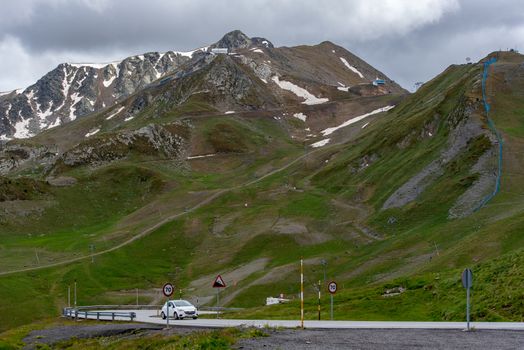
409 40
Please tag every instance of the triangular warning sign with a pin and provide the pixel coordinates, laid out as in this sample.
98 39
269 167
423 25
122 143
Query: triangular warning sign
219 282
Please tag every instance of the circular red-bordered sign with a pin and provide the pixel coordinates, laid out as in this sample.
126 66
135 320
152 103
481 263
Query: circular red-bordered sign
168 289
332 287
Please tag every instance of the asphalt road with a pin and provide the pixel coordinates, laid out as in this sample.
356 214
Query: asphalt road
151 317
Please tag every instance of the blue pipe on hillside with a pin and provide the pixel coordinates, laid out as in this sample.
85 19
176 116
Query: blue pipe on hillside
491 124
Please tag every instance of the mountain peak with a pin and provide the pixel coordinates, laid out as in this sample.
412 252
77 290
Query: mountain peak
236 39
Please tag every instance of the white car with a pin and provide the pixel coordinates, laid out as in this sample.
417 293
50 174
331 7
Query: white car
179 309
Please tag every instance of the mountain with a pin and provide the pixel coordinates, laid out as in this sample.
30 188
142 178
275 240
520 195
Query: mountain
71 91
74 90
241 164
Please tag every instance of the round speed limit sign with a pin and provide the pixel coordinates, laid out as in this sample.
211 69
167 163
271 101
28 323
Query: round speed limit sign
332 287
168 289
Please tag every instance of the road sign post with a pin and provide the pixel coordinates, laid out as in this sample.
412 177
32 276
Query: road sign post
167 289
332 289
219 283
467 282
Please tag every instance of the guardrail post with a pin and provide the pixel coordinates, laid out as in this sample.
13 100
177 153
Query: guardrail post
112 316
85 315
98 316
133 315
76 315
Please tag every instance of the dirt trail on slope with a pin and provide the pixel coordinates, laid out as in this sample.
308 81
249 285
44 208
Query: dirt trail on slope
170 218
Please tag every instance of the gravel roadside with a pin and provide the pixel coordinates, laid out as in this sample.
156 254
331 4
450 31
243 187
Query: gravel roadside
377 339
291 339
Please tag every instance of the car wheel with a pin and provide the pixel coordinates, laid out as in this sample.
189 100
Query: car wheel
163 315
195 317
176 316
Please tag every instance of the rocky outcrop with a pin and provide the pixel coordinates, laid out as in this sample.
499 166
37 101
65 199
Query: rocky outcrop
168 142
466 129
72 90
14 157
469 201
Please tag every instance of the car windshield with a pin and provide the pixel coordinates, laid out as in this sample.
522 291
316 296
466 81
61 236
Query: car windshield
182 303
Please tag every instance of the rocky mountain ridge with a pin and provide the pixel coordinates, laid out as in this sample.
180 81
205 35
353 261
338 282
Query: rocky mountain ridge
74 90
281 76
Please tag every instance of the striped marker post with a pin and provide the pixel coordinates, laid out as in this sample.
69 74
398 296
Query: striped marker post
302 293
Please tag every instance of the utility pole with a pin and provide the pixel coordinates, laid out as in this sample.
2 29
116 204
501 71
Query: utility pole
137 297
69 296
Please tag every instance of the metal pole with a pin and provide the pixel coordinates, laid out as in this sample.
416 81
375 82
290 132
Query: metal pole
75 294
302 293
137 297
167 318
218 300
319 300
69 296
331 307
467 306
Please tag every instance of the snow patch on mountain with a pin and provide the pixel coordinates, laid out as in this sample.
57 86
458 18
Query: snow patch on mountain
112 115
346 63
66 85
56 123
300 116
42 115
22 129
310 99
109 81
329 131
320 143
8 110
75 99
202 156
92 132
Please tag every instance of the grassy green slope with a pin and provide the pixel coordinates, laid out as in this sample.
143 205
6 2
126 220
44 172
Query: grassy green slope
320 208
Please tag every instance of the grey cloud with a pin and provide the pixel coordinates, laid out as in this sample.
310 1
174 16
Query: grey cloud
408 40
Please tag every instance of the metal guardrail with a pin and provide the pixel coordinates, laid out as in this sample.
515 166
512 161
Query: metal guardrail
118 307
150 307
110 315
94 311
